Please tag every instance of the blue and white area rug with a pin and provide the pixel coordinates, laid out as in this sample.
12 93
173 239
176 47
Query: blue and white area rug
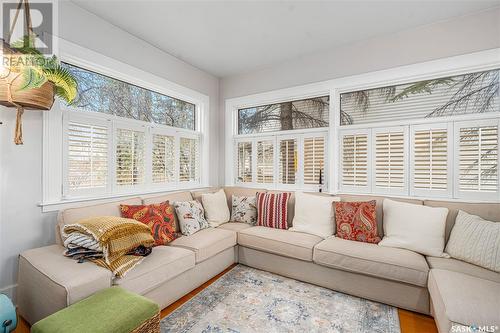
250 300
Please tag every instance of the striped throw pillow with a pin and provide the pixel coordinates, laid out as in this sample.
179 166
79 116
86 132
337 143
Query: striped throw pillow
272 210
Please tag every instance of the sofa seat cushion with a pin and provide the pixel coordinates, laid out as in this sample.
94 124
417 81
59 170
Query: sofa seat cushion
207 242
279 241
462 267
371 259
462 299
234 226
78 281
163 264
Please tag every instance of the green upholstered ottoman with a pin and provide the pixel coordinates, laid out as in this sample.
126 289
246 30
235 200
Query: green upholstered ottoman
110 310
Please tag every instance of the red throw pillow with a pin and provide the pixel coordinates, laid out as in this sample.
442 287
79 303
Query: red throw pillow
357 221
272 210
159 217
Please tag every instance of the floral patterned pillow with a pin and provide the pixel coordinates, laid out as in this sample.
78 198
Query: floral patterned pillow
244 210
191 216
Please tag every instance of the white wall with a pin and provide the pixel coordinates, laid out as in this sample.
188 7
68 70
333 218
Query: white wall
444 39
22 224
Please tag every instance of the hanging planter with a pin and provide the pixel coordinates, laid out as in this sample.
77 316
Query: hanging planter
13 92
31 80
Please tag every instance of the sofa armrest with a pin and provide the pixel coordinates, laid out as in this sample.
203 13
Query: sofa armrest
48 281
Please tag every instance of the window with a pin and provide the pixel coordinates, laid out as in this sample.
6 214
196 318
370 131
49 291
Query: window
466 94
390 160
130 149
163 158
431 152
244 172
430 160
289 115
288 161
477 162
355 160
87 151
188 160
265 162
283 161
432 137
100 93
314 160
112 148
266 156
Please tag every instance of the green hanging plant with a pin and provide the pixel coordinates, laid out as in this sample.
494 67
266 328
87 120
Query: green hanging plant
37 69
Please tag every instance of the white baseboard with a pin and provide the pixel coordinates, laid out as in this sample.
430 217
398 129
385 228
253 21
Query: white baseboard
10 291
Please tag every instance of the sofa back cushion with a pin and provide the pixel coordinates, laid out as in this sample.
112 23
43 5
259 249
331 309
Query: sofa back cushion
378 207
73 215
487 211
196 194
171 196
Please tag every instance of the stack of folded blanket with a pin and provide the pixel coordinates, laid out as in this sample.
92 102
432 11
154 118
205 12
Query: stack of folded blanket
116 243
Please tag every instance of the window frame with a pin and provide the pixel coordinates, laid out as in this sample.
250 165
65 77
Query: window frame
448 126
390 191
356 132
482 196
444 67
88 120
55 194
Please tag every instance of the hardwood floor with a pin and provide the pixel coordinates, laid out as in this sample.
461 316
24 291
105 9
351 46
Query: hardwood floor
410 322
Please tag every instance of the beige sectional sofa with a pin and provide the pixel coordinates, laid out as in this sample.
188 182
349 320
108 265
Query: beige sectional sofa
454 292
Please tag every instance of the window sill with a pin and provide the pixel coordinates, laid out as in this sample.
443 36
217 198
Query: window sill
52 206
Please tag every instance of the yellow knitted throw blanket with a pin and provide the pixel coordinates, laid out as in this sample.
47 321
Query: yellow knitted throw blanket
117 237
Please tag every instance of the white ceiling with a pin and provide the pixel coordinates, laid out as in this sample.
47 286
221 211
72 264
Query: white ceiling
232 37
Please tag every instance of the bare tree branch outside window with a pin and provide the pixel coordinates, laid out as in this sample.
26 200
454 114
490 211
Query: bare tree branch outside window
100 93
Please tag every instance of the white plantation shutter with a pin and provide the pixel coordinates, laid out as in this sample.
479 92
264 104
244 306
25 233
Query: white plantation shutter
390 174
163 159
189 168
287 165
130 150
244 167
265 161
355 160
430 160
314 159
87 157
477 163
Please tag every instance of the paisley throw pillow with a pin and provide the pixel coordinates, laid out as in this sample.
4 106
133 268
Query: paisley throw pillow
159 217
357 221
244 210
191 216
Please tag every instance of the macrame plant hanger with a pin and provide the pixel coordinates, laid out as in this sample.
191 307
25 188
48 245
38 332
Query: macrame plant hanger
18 134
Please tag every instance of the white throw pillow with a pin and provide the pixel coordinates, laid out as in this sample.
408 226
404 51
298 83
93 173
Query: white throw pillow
216 209
476 241
314 214
414 227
